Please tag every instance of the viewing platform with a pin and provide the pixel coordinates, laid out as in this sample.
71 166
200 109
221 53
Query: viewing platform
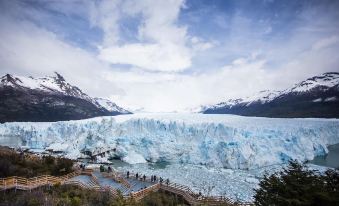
116 183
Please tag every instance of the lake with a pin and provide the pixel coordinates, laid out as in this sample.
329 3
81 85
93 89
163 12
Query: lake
329 160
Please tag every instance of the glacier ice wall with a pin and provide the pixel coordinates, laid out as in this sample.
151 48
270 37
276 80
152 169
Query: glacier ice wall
226 141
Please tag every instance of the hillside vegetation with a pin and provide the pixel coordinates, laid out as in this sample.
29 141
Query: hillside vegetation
28 165
299 186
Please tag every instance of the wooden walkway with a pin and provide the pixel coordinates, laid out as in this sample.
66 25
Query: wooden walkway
192 198
21 183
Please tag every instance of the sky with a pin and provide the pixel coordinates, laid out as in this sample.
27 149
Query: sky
170 55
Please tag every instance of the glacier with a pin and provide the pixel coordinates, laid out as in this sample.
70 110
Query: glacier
217 141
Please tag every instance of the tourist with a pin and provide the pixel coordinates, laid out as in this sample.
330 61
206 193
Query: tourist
167 181
152 178
102 168
144 177
155 178
136 176
109 169
127 174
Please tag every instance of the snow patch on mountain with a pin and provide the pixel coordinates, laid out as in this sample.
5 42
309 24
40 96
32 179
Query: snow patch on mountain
110 106
326 80
331 99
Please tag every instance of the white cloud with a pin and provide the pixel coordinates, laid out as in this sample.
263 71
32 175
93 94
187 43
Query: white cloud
326 42
155 57
162 43
169 92
199 44
26 49
105 15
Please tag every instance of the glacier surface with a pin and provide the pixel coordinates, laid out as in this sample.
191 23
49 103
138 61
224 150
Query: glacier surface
218 141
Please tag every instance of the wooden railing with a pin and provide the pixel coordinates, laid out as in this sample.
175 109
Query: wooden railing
181 190
31 183
111 190
196 199
21 183
144 192
87 171
116 177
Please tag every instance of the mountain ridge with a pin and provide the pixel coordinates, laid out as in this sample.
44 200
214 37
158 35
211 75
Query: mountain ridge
317 96
49 98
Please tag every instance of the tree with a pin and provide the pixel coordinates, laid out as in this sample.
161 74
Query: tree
298 185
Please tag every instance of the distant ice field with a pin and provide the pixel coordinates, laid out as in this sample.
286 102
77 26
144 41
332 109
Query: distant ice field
213 140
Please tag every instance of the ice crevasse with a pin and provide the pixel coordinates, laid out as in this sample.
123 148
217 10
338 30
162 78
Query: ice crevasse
227 141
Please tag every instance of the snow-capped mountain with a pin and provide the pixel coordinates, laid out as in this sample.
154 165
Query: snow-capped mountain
315 97
49 98
51 84
324 82
111 106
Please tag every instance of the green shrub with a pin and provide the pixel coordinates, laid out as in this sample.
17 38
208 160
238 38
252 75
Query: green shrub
297 185
162 199
15 164
75 201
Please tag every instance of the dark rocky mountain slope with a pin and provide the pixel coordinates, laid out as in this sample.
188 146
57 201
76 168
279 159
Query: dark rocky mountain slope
47 99
315 97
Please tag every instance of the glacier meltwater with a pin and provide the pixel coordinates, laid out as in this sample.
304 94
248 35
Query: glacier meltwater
218 141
